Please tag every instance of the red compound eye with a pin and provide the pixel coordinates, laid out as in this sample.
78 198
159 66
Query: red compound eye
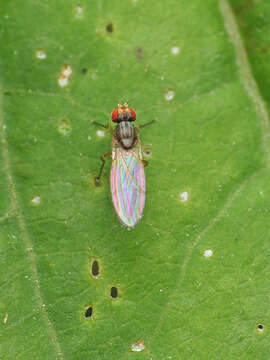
115 115
132 113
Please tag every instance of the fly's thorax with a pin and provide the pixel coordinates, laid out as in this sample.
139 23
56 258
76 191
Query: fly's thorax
118 151
125 134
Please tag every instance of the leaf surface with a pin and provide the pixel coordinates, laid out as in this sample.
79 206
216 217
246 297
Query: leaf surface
191 66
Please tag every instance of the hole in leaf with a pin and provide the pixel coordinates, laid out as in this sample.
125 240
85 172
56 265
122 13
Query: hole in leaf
114 292
109 28
260 327
88 312
95 269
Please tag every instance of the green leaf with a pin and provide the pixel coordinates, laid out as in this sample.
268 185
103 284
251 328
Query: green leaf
193 66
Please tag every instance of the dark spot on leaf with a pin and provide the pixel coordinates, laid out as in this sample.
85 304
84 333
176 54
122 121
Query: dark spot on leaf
7 93
88 312
95 268
109 28
147 152
114 292
139 53
84 70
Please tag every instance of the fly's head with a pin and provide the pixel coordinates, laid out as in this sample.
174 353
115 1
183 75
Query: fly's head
123 113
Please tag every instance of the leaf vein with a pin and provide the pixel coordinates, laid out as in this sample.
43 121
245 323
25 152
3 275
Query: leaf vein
211 223
245 74
26 238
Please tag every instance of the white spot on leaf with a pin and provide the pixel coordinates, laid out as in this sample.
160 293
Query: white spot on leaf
169 95
100 133
41 54
62 81
175 50
67 71
138 346
208 253
184 196
79 12
64 127
64 76
36 200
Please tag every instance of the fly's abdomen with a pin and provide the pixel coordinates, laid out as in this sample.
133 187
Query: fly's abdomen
125 133
128 187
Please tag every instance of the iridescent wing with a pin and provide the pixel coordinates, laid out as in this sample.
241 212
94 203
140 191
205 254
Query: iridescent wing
128 184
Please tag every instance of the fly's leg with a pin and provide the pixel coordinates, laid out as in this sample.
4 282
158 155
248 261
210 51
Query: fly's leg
99 124
103 159
146 124
108 126
145 163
